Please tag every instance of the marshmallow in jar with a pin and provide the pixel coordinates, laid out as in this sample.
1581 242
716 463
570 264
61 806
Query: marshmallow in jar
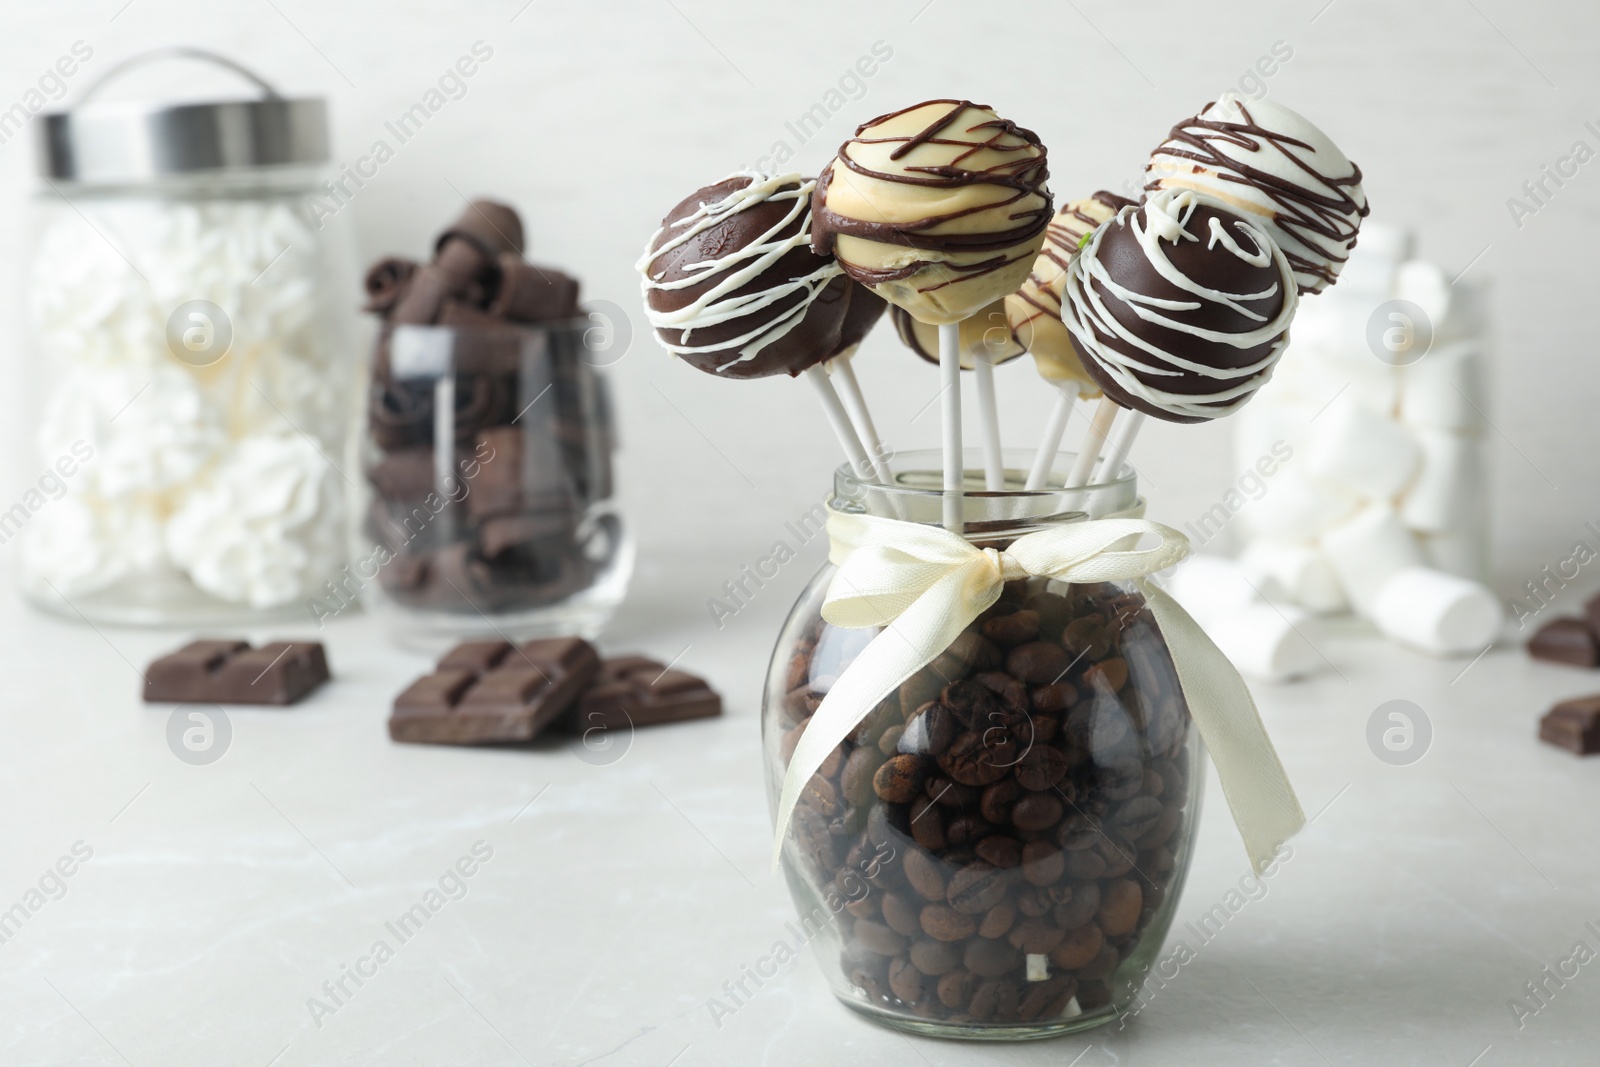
190 296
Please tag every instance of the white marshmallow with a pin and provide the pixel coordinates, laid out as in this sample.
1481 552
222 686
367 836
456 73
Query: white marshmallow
1436 612
1369 549
1353 374
1301 571
1211 588
1444 389
1267 429
1450 477
1463 551
1468 319
1356 447
1266 642
1375 260
1297 508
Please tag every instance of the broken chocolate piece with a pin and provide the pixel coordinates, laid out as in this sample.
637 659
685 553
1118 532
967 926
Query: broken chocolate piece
1568 641
489 692
638 691
1573 725
231 672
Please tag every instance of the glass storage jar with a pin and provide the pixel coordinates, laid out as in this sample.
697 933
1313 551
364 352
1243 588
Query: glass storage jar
192 364
996 851
488 504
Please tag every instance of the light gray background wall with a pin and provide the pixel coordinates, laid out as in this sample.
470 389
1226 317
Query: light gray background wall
594 118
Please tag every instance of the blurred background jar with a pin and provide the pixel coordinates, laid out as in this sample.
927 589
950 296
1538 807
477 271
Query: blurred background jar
488 506
191 315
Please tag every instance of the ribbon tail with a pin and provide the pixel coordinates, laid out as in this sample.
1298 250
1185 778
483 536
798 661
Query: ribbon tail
904 647
1263 802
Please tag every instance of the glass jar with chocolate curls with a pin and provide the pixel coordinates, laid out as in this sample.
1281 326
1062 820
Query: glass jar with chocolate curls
489 503
997 849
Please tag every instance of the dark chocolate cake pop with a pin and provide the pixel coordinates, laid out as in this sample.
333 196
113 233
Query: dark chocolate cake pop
732 286
1179 308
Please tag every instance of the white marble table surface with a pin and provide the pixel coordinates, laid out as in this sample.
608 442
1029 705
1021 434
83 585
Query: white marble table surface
618 899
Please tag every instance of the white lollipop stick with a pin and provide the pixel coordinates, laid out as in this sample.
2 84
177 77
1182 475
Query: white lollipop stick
1121 444
1093 441
1054 429
950 422
994 471
834 410
855 404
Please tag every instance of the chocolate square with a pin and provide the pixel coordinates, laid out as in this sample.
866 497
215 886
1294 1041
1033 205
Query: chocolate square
1568 641
1573 725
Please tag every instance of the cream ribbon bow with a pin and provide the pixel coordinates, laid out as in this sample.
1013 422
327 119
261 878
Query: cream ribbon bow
924 585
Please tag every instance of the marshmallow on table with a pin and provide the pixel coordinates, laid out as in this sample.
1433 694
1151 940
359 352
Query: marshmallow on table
1266 642
1450 478
1301 571
1357 375
1362 450
1444 389
1436 612
1369 549
1297 508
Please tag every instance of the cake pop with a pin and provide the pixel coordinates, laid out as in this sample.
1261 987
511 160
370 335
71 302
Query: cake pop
939 208
1275 168
732 286
986 333
1179 308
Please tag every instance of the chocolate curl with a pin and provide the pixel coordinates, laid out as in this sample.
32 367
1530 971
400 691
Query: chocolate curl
464 315
533 294
493 227
384 282
428 288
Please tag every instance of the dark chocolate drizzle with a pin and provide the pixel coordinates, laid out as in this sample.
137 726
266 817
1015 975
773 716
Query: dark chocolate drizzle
1025 173
1302 212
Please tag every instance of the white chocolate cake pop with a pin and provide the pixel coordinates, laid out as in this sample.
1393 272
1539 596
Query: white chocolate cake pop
1274 167
939 208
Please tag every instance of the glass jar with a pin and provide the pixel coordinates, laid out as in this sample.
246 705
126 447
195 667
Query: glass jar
191 310
996 851
488 505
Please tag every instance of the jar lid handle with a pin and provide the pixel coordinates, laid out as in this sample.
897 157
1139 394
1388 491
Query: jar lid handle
204 55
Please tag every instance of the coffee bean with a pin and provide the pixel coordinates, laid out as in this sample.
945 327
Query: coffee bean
1038 663
876 987
900 913
1080 907
799 667
1157 861
1014 629
906 981
1118 854
929 732
1084 865
1078 947
1036 812
972 704
1119 907
889 824
1087 637
1012 694
1104 962
870 729
866 907
965 830
948 793
956 988
889 743
820 795
900 779
877 937
829 767
976 888
997 799
1036 936
1041 767
927 824
917 691
925 874
1137 817
935 957
856 779
1000 851
1077 832
1034 902
979 758
1042 863
990 959
998 920
1055 698
1111 674
791 738
1047 999
994 1001
944 923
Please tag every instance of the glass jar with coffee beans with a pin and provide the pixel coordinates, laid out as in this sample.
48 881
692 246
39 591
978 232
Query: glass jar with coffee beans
996 850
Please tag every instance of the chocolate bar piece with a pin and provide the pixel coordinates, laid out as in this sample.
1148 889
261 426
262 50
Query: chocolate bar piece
231 672
638 691
488 692
1568 641
1591 612
1573 725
